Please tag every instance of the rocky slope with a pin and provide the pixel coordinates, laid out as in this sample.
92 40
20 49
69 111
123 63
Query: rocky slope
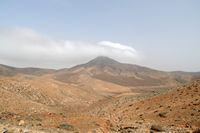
177 110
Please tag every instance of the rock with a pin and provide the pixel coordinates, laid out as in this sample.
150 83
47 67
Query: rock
115 129
128 129
196 131
20 131
97 131
4 130
163 114
157 128
21 123
66 127
38 124
26 131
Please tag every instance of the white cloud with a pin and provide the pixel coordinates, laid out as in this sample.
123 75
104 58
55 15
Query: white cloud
116 46
24 47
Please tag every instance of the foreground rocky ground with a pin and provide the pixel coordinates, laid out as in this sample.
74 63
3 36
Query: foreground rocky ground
174 110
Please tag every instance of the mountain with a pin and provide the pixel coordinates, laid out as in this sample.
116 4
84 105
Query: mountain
109 70
12 71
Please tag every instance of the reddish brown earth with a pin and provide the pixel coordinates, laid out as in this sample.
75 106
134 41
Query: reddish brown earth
102 95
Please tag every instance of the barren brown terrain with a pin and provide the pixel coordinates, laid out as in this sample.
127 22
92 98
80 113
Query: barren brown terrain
101 96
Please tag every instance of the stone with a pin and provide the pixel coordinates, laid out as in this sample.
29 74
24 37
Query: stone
21 123
157 128
4 130
66 127
196 131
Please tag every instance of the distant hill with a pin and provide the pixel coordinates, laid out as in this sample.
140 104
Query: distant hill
12 71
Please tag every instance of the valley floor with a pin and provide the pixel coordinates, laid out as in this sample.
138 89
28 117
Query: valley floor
172 110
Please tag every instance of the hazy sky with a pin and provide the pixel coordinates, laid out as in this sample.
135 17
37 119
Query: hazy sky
161 34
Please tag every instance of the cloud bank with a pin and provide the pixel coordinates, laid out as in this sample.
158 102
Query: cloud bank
25 47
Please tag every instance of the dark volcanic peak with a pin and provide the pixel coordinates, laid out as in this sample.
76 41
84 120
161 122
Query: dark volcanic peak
102 61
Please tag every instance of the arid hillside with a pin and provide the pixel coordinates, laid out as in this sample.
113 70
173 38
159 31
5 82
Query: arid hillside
102 95
177 110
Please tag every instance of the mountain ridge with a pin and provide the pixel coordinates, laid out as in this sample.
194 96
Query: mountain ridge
98 59
109 70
